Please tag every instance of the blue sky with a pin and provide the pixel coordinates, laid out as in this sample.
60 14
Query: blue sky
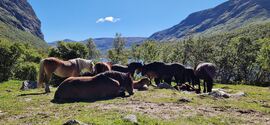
82 19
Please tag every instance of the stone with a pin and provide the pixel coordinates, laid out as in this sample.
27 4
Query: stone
131 118
26 85
164 86
184 100
74 122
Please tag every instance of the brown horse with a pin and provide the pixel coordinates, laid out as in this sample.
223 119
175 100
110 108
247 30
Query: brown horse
130 68
104 85
206 72
99 67
61 68
141 84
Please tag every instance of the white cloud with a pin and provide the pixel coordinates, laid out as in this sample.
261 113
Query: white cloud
108 19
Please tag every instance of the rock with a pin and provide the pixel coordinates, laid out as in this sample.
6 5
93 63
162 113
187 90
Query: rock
20 14
26 85
219 94
184 100
239 94
74 122
164 86
131 118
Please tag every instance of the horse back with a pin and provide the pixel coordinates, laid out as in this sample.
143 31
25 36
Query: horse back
84 88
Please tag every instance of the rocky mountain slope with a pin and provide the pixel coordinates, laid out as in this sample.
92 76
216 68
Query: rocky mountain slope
19 22
227 16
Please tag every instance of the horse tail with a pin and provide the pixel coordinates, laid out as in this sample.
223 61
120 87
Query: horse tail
41 73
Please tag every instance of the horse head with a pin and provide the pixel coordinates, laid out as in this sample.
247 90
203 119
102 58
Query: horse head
128 83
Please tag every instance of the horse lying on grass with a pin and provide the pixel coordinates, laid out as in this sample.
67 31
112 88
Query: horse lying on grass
61 68
105 85
141 84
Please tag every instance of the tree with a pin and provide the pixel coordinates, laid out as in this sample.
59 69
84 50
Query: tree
118 54
93 53
68 51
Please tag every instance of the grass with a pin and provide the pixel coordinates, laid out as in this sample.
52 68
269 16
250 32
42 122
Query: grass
156 106
12 34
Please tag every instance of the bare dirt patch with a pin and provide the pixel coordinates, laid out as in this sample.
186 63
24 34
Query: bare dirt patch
169 111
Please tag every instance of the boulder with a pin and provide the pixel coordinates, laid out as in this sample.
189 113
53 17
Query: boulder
74 122
131 118
26 85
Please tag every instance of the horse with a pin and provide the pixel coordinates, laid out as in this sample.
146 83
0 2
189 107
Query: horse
141 84
189 76
99 67
206 72
61 68
130 68
104 85
161 71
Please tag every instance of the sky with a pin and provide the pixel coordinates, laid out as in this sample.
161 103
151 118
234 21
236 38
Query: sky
83 19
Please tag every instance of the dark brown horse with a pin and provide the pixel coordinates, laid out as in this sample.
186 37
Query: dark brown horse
161 71
141 84
190 76
130 68
104 85
99 67
206 72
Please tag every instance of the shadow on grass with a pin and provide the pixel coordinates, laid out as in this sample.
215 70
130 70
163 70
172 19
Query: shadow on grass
63 101
42 93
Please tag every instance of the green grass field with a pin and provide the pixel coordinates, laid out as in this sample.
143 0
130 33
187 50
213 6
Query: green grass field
156 106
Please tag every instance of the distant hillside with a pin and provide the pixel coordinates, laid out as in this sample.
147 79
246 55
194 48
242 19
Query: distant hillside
19 23
225 17
104 44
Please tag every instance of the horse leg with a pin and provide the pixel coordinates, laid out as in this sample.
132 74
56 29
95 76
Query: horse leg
47 85
209 85
157 81
199 87
204 86
168 80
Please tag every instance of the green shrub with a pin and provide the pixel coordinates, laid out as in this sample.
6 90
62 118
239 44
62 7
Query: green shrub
26 71
9 54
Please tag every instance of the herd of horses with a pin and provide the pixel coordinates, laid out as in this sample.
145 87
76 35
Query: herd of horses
106 80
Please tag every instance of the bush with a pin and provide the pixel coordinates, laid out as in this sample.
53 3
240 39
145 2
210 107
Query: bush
8 58
26 71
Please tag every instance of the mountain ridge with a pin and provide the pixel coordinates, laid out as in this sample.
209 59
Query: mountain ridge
227 16
105 43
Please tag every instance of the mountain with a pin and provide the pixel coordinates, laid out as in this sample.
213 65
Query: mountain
19 23
227 16
104 44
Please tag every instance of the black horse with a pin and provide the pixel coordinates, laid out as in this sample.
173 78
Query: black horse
206 72
130 68
161 71
190 76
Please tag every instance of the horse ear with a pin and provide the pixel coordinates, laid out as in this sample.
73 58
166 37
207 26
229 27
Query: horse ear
109 63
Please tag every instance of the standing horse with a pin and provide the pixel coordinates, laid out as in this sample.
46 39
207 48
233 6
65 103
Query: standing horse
190 76
161 71
206 72
130 68
61 68
103 85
